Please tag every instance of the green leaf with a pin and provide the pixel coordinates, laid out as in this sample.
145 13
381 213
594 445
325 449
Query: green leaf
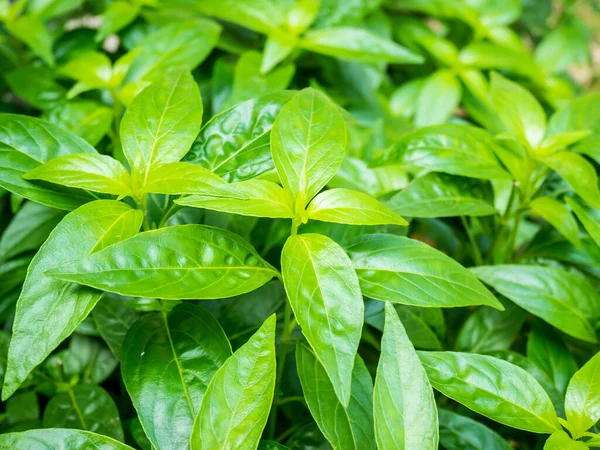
561 141
519 111
179 262
559 216
357 44
462 433
375 181
277 48
492 387
22 407
404 407
235 143
113 320
59 439
345 427
450 148
236 405
565 46
588 217
28 142
36 85
258 198
181 43
31 30
325 296
439 96
401 270
308 142
92 70
564 300
161 123
48 309
577 115
87 119
28 229
351 207
578 172
258 15
441 195
549 353
559 440
48 9
91 171
85 407
180 178
12 273
488 329
117 16
582 401
168 363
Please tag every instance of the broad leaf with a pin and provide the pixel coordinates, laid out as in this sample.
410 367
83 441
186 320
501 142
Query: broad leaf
345 427
87 119
26 143
59 439
308 142
31 30
258 15
325 296
451 148
563 299
357 44
235 143
588 217
404 408
351 207
168 362
492 387
180 178
441 195
236 405
401 270
438 98
561 441
259 198
113 320
179 262
86 407
91 171
117 15
559 216
462 433
582 402
161 123
48 309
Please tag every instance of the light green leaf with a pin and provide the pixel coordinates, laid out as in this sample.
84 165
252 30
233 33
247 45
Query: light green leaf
351 207
563 299
559 440
462 433
565 46
48 310
582 401
308 142
401 270
404 407
439 96
168 363
179 262
357 44
91 171
258 15
577 115
180 178
549 353
48 9
31 30
588 217
578 172
345 427
87 119
93 70
302 14
519 111
117 16
85 407
28 142
37 86
28 229
236 405
181 43
277 48
451 148
59 439
559 216
325 296
441 195
235 143
560 141
474 380
355 174
161 123
257 198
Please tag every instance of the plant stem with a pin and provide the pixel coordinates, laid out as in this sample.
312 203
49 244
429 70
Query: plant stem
512 240
476 253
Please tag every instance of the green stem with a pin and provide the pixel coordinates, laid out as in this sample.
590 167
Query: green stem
476 253
295 224
512 240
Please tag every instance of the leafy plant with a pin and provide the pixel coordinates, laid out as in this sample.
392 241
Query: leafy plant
299 224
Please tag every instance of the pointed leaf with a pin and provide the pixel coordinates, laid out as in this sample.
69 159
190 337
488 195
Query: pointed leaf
180 178
59 439
559 216
590 218
462 433
582 402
